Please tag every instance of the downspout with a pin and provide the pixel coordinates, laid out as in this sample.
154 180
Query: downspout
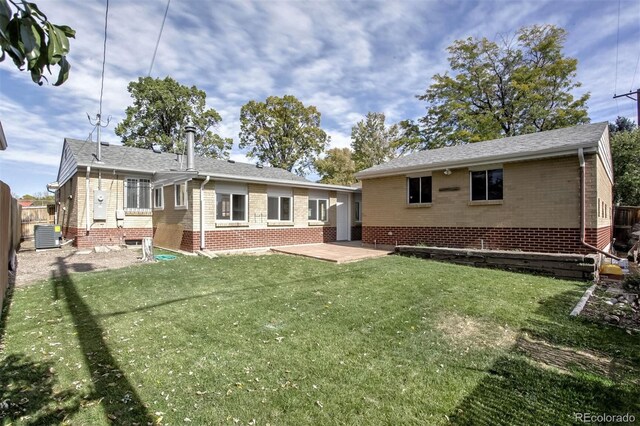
202 185
583 214
86 197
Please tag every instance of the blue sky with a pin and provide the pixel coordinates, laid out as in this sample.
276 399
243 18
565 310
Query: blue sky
346 58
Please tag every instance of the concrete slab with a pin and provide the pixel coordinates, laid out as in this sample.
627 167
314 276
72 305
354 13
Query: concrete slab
333 252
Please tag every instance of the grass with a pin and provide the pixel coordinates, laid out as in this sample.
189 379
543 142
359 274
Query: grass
285 340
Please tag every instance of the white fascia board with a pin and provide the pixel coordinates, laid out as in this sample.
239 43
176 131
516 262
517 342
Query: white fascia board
280 182
3 139
589 148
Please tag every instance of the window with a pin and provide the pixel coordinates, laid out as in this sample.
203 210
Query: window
318 210
358 212
231 207
158 198
486 185
181 195
419 190
279 208
137 194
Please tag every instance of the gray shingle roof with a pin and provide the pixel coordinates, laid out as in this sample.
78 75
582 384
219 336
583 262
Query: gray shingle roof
504 149
147 161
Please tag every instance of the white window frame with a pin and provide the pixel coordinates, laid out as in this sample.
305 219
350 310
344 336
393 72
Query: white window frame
358 210
153 195
486 184
280 198
185 204
126 190
231 197
419 190
317 218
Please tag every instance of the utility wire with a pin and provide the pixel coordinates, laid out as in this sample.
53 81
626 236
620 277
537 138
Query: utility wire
615 84
633 80
155 51
104 59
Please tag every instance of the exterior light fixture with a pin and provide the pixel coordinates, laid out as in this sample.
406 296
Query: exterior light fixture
447 172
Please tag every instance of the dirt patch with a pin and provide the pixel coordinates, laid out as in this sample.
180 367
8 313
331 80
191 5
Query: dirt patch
565 359
462 330
34 266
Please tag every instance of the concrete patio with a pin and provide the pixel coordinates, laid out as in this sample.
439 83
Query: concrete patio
340 252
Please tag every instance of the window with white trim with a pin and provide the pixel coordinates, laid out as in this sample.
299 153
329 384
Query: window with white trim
486 185
279 208
180 190
318 210
158 198
358 211
231 201
137 194
419 190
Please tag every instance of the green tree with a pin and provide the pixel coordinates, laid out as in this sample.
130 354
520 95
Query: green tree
625 151
622 124
161 109
522 84
28 38
282 132
337 167
373 142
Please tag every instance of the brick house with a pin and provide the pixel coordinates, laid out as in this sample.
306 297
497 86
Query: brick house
548 191
130 192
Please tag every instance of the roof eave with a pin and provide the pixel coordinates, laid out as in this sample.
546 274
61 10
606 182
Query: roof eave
3 139
479 161
282 182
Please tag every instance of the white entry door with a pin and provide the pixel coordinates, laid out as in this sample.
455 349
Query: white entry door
343 231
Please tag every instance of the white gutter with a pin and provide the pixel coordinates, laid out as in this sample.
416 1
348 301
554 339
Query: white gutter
282 182
202 241
583 213
86 197
470 162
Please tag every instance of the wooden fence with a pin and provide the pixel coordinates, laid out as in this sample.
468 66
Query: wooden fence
9 236
36 215
624 219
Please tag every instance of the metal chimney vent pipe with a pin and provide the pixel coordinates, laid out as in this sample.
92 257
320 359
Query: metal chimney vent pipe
190 130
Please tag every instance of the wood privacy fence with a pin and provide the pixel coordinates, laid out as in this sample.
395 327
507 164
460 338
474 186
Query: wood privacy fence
9 236
35 215
624 219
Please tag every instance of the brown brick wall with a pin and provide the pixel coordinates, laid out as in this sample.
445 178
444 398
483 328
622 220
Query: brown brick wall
551 240
234 239
105 236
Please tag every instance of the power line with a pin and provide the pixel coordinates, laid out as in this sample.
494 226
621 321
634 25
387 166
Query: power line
155 51
633 80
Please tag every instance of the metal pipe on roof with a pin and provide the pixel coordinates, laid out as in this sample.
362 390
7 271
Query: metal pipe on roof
190 130
583 201
202 239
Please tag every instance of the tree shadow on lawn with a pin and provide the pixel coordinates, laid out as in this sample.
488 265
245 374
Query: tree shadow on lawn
570 366
116 394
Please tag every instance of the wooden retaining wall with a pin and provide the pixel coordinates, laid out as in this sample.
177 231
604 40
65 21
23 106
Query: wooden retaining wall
566 266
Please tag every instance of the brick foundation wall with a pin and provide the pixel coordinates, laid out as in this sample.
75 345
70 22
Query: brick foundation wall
233 239
104 236
550 240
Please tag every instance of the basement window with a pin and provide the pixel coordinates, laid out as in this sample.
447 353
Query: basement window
137 194
486 185
419 190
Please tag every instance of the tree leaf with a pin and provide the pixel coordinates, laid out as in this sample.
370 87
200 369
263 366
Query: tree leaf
32 8
54 47
68 31
64 71
31 41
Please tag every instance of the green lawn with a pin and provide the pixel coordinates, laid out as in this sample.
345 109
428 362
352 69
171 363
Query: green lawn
287 340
